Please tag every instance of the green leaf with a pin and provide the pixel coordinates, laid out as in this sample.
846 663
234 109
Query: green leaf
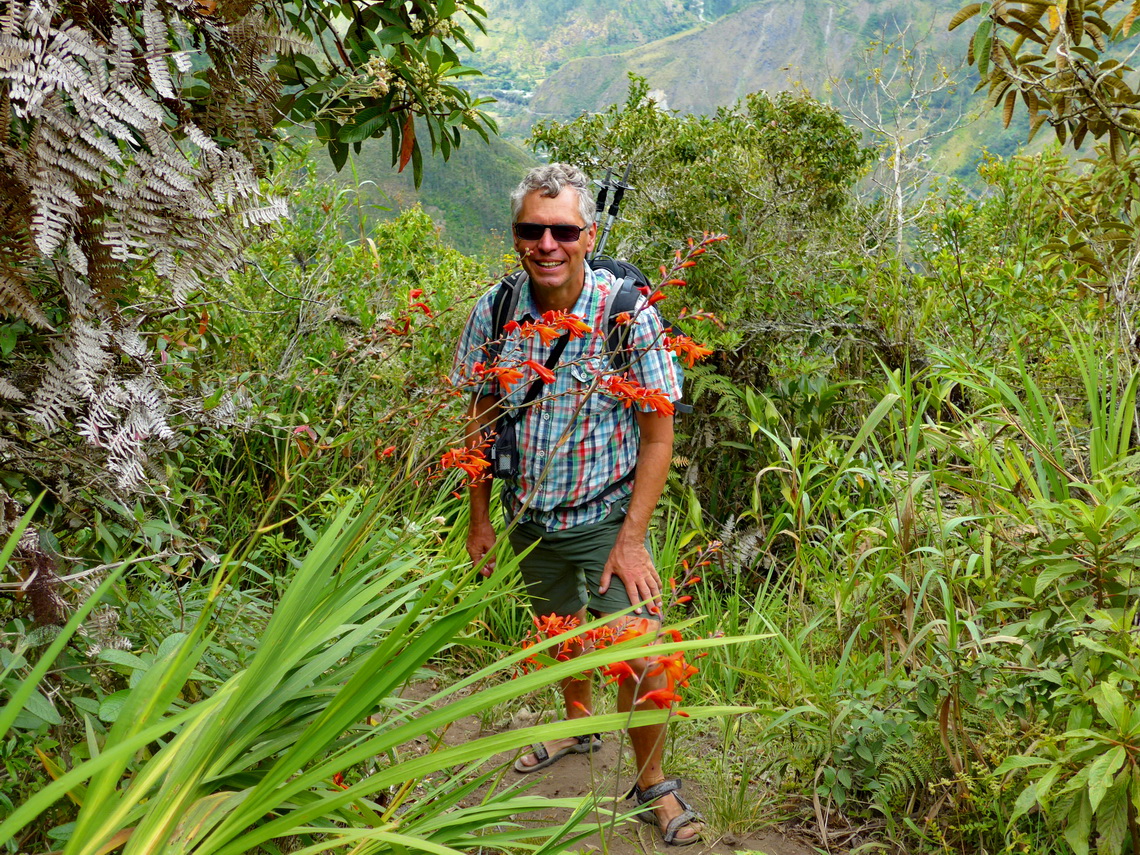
112 705
1112 818
983 44
1079 826
42 708
1101 772
1112 706
121 657
1018 761
1025 801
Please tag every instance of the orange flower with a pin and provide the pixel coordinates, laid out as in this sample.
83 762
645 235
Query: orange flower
655 297
623 318
663 698
619 672
687 349
629 393
546 332
541 370
676 670
551 625
634 628
567 322
506 375
470 460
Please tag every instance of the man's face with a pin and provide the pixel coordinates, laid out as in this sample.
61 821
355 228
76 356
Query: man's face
555 269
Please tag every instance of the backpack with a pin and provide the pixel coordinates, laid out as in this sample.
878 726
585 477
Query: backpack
632 283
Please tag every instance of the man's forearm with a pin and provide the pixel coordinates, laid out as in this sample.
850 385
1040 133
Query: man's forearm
480 416
654 456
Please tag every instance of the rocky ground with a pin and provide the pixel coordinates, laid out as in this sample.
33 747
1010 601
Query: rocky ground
607 773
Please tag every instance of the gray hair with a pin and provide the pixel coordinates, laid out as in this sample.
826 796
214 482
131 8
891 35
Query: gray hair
550 179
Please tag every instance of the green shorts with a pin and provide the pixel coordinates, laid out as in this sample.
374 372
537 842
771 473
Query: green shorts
564 570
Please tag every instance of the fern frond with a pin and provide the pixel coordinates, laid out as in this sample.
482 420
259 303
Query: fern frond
16 300
10 392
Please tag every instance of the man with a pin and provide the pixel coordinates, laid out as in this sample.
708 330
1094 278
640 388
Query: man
591 469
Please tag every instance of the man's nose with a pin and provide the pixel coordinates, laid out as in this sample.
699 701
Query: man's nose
547 243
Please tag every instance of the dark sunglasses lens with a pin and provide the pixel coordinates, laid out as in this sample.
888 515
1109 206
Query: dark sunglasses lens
534 231
565 234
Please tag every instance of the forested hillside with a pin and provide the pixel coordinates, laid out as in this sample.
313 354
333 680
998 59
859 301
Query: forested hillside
899 535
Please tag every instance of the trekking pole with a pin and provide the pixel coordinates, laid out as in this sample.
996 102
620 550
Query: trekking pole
605 185
619 192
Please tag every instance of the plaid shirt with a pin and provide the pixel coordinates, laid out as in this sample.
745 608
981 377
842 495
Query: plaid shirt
602 438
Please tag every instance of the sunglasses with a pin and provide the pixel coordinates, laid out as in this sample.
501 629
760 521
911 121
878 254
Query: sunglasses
535 231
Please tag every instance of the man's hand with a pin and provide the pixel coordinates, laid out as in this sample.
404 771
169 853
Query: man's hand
631 563
481 540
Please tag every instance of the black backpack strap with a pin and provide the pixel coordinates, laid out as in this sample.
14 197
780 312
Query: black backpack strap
536 387
503 307
622 299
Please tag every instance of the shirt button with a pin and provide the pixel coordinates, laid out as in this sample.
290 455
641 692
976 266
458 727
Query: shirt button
542 454
546 417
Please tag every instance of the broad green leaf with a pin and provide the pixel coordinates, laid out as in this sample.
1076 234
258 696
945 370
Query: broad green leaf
983 44
112 705
1112 706
1079 825
1112 817
42 708
1025 801
121 657
1101 772
1018 761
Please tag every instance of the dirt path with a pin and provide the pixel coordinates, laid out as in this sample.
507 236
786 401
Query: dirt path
603 772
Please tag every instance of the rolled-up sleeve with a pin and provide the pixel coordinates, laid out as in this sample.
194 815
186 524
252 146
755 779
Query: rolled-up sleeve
472 347
652 364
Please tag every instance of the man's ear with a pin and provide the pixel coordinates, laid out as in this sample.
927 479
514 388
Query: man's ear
591 236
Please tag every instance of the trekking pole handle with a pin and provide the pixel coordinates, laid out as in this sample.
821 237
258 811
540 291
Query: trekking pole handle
620 188
605 185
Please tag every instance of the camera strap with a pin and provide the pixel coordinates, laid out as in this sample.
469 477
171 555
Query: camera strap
536 387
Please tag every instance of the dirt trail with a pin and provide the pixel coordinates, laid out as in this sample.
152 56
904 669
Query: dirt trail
601 772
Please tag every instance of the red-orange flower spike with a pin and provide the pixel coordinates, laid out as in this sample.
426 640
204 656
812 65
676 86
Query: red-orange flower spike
634 628
552 624
568 322
623 318
546 332
541 370
619 672
655 297
470 460
676 670
663 698
687 349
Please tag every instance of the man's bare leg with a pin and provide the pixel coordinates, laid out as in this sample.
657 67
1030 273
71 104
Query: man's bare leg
577 696
648 743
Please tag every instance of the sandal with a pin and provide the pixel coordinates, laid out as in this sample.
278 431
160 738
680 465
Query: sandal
587 744
687 817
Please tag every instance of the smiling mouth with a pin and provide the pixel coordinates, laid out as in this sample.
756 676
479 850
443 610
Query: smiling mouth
548 265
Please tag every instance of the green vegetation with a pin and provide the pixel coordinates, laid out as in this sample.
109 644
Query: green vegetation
908 489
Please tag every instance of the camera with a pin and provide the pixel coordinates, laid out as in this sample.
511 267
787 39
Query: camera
504 452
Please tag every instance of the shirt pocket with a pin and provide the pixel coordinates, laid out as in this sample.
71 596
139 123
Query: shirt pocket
589 375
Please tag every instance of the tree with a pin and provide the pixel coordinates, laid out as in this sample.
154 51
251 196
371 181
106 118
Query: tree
895 99
1069 62
1067 59
133 138
770 171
